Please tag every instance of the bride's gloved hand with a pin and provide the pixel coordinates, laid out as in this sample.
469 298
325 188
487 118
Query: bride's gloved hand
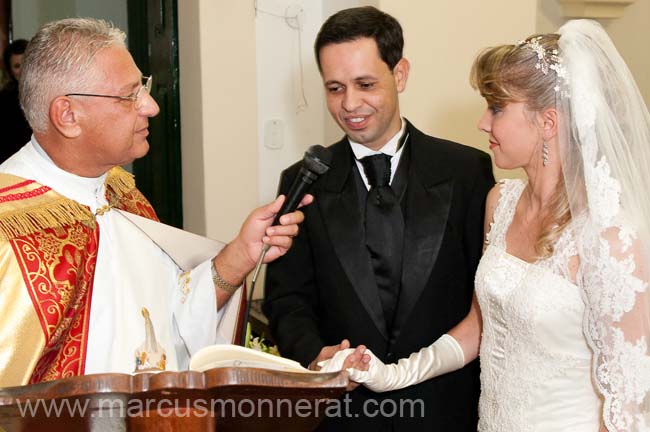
443 356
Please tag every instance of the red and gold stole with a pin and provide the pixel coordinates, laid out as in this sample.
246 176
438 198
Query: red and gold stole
123 194
55 242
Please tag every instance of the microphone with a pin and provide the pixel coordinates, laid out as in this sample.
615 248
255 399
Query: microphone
316 162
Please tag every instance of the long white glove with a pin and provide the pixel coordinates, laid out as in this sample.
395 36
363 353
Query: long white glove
443 356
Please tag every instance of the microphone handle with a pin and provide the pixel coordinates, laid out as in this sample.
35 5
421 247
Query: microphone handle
299 188
249 301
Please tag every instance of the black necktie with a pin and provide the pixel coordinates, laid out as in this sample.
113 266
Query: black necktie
384 231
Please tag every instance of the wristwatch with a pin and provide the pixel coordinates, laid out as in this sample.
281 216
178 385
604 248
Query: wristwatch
220 283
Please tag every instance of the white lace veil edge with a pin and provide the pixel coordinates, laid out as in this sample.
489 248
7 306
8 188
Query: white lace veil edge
605 140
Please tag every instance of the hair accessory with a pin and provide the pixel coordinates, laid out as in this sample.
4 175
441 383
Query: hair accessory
547 60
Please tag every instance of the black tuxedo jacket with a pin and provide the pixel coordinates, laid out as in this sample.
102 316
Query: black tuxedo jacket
323 290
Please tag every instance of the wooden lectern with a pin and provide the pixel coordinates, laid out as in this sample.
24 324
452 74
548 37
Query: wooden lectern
230 399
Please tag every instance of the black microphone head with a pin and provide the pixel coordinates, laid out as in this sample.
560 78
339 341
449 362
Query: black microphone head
317 159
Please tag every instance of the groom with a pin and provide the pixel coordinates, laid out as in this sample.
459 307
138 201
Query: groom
387 254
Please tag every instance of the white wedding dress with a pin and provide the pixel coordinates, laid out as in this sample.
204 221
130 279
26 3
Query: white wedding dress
535 360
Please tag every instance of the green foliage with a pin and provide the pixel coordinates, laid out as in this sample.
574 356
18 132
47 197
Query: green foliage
259 343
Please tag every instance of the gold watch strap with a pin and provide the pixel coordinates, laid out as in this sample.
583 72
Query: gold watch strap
220 283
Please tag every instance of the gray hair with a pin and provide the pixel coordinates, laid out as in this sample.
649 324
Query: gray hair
58 60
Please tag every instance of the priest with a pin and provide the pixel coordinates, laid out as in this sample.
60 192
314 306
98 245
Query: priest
75 274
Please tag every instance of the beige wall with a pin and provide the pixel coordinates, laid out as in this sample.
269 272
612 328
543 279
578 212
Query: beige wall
441 41
218 115
191 100
630 33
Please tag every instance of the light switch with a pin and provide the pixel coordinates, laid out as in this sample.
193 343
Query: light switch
274 134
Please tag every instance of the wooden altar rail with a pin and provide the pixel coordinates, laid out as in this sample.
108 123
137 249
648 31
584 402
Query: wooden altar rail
261 400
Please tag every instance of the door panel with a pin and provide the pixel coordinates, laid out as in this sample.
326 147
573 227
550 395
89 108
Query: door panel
153 41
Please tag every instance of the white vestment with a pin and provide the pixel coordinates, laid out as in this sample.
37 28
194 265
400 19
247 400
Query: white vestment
132 272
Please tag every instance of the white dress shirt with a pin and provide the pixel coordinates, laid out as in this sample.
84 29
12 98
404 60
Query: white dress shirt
390 148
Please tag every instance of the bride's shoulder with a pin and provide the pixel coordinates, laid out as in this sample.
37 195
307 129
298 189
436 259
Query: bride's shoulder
503 187
499 196
492 200
511 183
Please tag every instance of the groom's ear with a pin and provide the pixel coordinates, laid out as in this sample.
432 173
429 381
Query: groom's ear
401 74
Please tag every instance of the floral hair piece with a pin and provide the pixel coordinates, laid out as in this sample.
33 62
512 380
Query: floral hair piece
546 60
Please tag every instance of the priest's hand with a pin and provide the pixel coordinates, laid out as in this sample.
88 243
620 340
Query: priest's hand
239 257
278 237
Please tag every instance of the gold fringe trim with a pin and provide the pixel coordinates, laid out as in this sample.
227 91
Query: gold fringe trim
56 213
120 181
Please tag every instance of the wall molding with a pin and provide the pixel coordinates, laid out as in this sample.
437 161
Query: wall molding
594 8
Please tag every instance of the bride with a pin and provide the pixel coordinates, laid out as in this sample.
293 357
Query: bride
561 314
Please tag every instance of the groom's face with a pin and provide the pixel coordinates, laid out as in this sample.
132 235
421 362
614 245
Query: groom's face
362 92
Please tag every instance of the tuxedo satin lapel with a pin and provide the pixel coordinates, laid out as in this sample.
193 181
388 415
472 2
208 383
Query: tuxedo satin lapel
343 219
428 209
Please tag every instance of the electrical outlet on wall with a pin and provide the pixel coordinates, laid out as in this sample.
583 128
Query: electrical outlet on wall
274 134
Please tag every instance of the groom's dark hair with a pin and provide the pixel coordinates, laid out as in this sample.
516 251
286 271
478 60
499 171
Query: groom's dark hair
363 22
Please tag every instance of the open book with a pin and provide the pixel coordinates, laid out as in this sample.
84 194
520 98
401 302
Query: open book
215 356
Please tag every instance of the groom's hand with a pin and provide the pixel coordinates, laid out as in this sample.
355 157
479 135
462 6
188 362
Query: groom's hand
327 353
355 360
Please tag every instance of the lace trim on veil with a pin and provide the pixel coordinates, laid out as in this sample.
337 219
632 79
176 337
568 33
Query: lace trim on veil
615 291
607 153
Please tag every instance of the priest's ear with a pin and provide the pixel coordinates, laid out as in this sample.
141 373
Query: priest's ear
65 115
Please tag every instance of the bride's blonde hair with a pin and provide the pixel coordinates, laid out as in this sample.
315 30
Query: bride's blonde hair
513 73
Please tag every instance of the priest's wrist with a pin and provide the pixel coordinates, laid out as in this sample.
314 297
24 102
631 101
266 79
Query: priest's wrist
237 257
225 276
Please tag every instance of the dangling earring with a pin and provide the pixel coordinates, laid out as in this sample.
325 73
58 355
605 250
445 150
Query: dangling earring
545 153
